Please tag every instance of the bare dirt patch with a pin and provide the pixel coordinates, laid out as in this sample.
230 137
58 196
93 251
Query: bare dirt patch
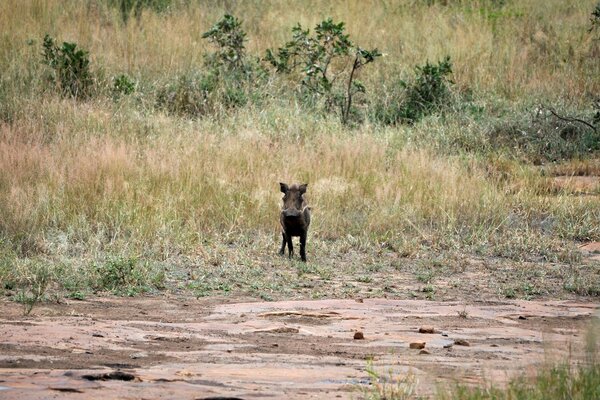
184 348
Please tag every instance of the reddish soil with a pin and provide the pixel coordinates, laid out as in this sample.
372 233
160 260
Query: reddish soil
183 348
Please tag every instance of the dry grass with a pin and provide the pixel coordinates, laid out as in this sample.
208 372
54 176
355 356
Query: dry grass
85 179
524 48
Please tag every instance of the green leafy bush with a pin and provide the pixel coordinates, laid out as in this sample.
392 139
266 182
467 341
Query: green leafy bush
426 94
229 37
322 59
229 78
123 84
70 67
595 19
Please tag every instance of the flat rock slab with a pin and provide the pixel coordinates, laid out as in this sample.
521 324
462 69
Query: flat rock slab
192 349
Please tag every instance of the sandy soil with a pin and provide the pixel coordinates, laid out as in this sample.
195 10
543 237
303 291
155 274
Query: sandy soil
184 348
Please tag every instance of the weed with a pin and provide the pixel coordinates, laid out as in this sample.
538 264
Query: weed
509 292
34 278
390 386
125 275
425 275
77 295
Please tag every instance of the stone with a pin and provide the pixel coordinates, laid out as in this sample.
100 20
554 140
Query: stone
426 329
359 335
417 345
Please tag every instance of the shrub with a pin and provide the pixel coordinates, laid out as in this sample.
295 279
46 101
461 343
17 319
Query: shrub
70 67
135 7
122 84
33 278
126 275
322 59
229 78
188 95
426 94
595 19
546 137
229 37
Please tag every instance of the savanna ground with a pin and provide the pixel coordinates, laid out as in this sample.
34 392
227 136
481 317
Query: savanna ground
139 186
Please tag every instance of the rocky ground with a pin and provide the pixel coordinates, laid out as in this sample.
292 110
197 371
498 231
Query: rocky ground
188 348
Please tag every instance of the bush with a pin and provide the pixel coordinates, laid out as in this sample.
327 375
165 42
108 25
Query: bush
229 78
122 84
70 68
125 276
317 56
426 94
229 37
189 94
545 137
135 7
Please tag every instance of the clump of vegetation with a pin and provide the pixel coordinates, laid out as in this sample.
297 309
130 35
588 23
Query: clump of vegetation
229 38
546 136
389 386
123 85
427 93
70 68
33 278
559 382
127 8
126 276
229 78
322 59
595 19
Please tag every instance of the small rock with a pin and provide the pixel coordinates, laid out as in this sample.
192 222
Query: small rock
141 354
424 352
426 329
359 335
445 334
417 345
493 345
97 335
447 346
461 342
522 317
360 301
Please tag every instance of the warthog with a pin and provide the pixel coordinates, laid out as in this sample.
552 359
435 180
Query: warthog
295 218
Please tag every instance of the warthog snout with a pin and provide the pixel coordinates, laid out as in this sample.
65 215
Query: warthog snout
293 213
295 218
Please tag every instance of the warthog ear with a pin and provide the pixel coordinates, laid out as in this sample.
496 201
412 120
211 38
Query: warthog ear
303 188
284 187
